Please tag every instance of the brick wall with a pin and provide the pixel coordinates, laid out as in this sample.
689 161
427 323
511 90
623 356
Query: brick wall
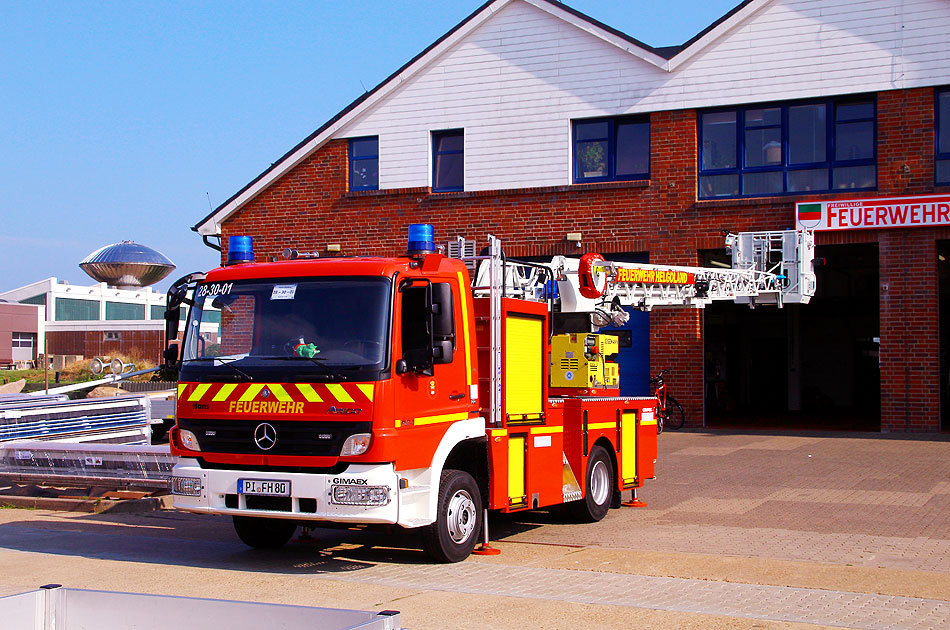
147 344
310 207
910 361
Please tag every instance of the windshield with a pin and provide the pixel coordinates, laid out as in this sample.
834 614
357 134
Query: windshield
290 329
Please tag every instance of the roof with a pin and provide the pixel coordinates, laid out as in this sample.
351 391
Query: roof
667 58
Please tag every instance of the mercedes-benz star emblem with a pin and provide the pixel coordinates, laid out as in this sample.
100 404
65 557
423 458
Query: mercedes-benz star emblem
265 436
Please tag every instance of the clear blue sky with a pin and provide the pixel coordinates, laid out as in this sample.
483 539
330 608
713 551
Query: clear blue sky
118 120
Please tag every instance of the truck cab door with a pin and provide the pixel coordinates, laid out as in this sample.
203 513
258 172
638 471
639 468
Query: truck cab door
432 375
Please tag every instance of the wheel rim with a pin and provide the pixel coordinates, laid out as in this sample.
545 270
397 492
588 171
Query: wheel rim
599 482
461 517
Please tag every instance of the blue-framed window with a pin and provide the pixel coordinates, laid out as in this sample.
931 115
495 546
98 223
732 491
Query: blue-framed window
942 137
788 148
364 163
611 149
448 160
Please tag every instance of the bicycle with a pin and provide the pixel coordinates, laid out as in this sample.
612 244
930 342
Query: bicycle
669 412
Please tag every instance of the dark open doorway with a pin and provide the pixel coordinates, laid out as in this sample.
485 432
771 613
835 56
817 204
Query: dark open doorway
809 366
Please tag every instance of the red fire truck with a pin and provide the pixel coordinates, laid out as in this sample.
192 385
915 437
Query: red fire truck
399 391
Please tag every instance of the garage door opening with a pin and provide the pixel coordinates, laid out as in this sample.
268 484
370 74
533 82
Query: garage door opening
811 367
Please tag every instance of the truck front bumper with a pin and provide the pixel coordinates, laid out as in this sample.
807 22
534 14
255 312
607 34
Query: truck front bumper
363 493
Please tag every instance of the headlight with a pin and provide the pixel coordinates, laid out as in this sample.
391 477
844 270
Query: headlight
189 440
355 444
187 486
360 495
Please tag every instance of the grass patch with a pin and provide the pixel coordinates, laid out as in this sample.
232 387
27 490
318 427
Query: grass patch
76 372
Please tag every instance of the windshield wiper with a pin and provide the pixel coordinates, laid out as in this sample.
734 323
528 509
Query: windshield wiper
227 363
316 361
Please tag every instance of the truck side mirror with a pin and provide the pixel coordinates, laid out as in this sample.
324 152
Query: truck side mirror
170 354
443 323
172 316
442 351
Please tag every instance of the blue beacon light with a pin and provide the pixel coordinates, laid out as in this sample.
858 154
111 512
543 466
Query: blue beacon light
421 239
240 249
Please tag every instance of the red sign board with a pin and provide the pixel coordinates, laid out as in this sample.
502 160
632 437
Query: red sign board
860 214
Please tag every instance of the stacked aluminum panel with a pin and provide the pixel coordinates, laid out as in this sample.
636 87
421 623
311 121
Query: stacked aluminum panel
118 420
8 401
121 464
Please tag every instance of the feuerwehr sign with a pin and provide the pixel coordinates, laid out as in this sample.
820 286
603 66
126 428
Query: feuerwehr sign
859 214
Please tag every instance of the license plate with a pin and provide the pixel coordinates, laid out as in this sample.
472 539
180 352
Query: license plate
264 487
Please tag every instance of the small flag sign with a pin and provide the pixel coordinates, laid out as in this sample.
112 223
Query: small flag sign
809 212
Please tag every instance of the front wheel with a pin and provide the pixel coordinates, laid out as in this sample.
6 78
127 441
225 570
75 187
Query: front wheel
452 537
600 487
264 533
675 418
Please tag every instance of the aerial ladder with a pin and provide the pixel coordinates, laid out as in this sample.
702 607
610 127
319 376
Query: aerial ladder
769 267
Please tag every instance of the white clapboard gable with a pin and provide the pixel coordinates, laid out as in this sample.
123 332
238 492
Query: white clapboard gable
515 74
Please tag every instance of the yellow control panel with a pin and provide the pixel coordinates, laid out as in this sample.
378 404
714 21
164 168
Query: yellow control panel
580 360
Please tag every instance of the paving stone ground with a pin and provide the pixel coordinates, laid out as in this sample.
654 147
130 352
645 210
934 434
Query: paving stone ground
814 606
740 531
861 499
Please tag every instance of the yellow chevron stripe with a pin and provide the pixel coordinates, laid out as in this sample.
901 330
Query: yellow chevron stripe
499 432
338 392
251 392
280 393
367 389
447 417
602 425
309 393
199 392
224 392
181 388
547 430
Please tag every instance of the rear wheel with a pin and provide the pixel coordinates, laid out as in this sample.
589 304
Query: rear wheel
675 418
452 537
600 486
264 533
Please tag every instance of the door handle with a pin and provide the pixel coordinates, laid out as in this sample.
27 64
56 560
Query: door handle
456 396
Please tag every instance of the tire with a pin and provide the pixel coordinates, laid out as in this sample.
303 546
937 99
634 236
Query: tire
264 533
660 421
675 418
453 535
599 488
